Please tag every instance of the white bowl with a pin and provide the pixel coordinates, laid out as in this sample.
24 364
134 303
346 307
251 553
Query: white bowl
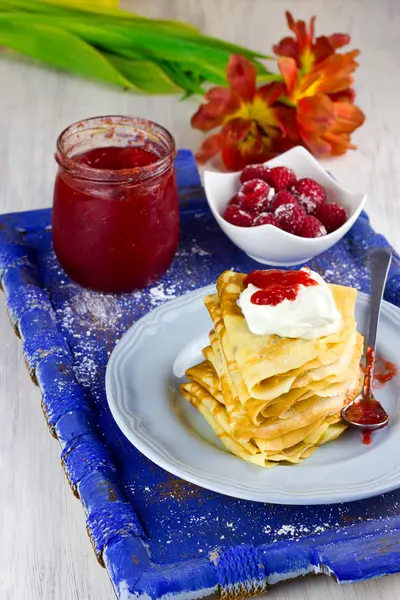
268 244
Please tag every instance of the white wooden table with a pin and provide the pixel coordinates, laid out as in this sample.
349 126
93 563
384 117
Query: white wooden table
45 553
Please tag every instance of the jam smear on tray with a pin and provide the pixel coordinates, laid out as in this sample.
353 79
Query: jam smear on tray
384 372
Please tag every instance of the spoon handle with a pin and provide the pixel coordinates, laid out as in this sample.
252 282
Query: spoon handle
380 263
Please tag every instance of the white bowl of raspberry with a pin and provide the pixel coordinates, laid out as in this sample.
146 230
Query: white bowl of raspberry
283 212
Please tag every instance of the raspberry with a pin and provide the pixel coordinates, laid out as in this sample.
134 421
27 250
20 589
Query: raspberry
255 172
312 228
265 219
309 193
254 194
291 217
265 206
283 197
331 215
234 201
282 178
237 216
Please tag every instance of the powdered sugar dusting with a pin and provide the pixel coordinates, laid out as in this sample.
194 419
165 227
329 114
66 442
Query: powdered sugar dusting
309 203
161 293
284 209
86 317
95 309
254 186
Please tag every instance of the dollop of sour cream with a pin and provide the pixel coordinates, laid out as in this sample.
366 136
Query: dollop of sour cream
312 314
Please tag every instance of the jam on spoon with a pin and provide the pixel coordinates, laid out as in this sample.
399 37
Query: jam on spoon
365 412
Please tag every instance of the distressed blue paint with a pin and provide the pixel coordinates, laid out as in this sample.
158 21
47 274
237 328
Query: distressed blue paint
100 489
72 424
35 322
101 524
43 343
239 563
61 393
68 334
21 300
85 455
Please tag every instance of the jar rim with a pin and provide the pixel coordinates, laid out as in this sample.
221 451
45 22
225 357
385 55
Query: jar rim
134 174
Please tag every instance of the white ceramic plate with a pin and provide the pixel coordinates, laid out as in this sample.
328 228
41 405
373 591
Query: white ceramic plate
142 382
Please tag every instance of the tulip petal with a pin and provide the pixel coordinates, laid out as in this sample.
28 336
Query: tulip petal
290 73
221 103
287 47
338 40
232 158
322 48
207 117
348 117
209 148
346 95
290 21
302 36
287 120
241 77
236 129
325 126
316 113
311 31
223 100
220 94
317 145
330 75
271 92
339 143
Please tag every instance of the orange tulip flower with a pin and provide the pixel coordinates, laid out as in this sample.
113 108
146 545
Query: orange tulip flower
251 125
312 105
306 50
318 86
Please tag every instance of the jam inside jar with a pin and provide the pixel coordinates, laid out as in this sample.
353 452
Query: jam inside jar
115 218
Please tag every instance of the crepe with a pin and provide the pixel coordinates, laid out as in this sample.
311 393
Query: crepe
217 417
271 399
262 357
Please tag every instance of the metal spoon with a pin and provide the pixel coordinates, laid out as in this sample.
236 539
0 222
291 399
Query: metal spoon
365 412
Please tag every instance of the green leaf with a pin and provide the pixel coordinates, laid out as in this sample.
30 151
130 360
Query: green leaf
60 49
145 75
184 76
178 55
153 42
142 41
109 17
47 7
120 52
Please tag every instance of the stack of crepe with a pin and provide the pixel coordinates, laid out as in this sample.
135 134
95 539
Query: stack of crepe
272 399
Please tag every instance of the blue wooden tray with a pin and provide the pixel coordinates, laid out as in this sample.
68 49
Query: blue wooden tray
159 536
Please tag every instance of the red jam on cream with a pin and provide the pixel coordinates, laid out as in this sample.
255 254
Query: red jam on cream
294 304
276 286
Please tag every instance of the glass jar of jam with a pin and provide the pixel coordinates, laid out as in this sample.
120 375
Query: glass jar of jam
115 210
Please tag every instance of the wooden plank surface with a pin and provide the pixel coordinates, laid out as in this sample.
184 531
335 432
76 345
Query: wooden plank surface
44 551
